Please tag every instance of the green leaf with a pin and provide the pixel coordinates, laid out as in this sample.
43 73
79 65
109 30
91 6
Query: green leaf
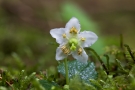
48 85
120 66
84 71
96 84
76 84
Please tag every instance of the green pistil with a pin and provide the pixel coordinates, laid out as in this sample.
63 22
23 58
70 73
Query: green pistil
73 40
73 47
73 44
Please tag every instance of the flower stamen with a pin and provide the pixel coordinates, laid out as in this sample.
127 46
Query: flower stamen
80 51
83 39
64 35
73 30
65 50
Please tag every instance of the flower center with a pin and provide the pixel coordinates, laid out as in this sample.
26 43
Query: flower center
73 42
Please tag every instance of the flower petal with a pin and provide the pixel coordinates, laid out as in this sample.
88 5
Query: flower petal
73 22
57 34
82 58
90 38
59 54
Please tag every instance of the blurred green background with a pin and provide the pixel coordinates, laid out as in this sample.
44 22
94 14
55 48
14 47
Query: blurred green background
25 41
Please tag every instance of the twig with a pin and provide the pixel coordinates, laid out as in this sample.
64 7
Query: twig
107 58
9 85
122 48
130 52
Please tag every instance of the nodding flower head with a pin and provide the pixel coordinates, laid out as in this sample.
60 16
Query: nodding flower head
72 41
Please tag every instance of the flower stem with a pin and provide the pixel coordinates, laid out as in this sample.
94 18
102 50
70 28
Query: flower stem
66 70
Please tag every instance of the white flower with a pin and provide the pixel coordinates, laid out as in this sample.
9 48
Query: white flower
72 41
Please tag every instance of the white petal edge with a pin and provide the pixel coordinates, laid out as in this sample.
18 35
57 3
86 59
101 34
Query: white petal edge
73 22
59 54
57 34
81 58
90 37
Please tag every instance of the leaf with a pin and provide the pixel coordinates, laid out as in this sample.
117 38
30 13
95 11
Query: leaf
96 84
76 84
84 71
121 80
47 85
120 66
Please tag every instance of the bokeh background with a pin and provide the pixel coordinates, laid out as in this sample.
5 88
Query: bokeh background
25 41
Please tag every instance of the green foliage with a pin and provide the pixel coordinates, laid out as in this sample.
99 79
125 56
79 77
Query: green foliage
49 85
84 71
19 82
82 76
118 75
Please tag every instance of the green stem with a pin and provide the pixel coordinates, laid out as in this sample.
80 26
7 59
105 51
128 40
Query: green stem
66 70
130 52
107 58
102 63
